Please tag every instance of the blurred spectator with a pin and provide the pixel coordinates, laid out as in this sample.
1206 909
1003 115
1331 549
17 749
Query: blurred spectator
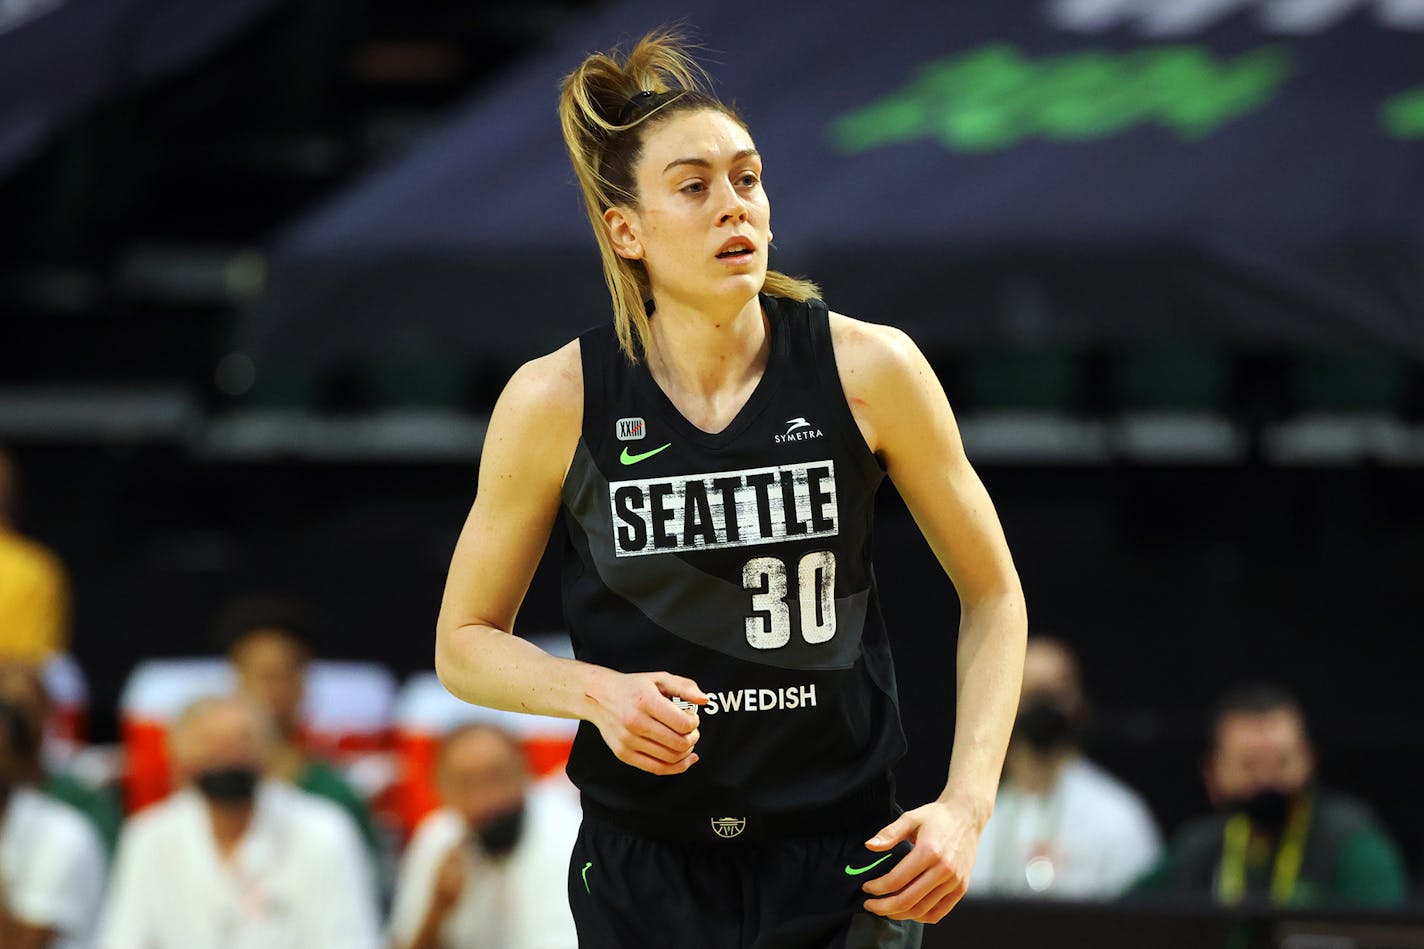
51 860
1277 836
34 594
233 859
22 685
489 868
268 642
1062 826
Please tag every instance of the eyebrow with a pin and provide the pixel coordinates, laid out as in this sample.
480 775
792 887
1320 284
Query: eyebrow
704 163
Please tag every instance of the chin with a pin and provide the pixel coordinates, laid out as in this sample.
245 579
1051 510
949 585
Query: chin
749 283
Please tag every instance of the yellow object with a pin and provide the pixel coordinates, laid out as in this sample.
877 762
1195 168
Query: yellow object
34 600
1286 867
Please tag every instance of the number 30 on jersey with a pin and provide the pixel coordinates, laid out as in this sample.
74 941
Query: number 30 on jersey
769 625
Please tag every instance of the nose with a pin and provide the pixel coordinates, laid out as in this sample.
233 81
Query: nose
734 209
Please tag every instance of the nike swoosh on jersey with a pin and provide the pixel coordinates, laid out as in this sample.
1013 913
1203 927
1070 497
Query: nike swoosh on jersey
857 871
628 459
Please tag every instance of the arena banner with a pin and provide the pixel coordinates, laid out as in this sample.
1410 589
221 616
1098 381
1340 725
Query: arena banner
57 56
1261 161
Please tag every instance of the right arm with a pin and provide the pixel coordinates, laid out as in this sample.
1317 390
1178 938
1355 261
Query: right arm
529 446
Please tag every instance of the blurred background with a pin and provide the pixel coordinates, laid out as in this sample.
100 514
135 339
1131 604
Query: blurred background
267 263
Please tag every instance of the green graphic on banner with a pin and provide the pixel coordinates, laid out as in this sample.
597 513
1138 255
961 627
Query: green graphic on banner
993 97
1403 115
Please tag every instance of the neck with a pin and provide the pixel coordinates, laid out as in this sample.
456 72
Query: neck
1033 771
229 822
703 351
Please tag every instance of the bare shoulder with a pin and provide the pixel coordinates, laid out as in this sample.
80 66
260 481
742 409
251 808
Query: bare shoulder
544 396
872 357
888 383
539 416
550 386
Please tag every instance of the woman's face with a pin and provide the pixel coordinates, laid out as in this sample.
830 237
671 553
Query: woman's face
703 225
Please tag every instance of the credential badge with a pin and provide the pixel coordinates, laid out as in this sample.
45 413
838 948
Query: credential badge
630 429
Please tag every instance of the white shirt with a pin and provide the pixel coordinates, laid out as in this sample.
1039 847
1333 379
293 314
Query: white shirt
51 867
299 879
517 902
1089 838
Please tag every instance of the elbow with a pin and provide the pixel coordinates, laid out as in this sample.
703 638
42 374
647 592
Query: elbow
1004 607
445 665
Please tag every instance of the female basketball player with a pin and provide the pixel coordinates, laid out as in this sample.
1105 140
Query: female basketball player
716 451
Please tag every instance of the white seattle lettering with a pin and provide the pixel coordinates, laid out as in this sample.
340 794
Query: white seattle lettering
742 508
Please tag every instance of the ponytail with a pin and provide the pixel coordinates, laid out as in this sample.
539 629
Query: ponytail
605 106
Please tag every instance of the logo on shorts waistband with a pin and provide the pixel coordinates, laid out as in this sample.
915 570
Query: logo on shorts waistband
729 827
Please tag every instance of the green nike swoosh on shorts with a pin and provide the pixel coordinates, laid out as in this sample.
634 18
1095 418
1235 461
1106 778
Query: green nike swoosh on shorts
857 871
628 459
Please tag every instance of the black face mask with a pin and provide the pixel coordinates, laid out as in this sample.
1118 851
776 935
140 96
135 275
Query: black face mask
1045 727
234 785
500 834
1268 810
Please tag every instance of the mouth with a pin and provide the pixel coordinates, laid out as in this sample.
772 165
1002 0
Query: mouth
736 249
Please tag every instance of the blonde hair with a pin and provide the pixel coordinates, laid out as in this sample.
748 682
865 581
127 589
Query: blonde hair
606 107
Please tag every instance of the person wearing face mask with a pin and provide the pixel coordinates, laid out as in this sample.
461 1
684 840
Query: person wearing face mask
1277 837
1062 827
268 641
477 872
51 860
233 859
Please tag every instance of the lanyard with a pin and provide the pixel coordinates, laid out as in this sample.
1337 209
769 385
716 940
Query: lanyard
1285 870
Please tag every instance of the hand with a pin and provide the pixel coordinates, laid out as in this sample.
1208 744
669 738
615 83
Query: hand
927 883
641 725
449 880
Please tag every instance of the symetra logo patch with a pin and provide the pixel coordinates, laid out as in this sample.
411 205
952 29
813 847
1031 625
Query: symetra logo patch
798 430
724 509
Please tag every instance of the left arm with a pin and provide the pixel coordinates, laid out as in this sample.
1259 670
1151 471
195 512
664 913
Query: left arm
903 414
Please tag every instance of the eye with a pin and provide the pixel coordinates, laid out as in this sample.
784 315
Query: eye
693 187
748 179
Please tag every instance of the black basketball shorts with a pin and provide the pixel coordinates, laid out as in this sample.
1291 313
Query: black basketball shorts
795 892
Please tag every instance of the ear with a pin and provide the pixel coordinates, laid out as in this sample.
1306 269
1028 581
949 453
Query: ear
623 226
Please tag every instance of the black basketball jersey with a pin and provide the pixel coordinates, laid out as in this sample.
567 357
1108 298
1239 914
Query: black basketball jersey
741 560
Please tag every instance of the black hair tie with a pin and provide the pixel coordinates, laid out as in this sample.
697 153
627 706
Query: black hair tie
635 102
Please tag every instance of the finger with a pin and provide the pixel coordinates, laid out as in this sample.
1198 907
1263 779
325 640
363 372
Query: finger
891 834
941 909
903 905
659 733
661 710
909 894
653 766
912 865
655 749
654 717
921 907
681 686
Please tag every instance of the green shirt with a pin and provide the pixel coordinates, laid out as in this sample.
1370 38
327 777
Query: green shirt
100 805
1348 859
319 778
